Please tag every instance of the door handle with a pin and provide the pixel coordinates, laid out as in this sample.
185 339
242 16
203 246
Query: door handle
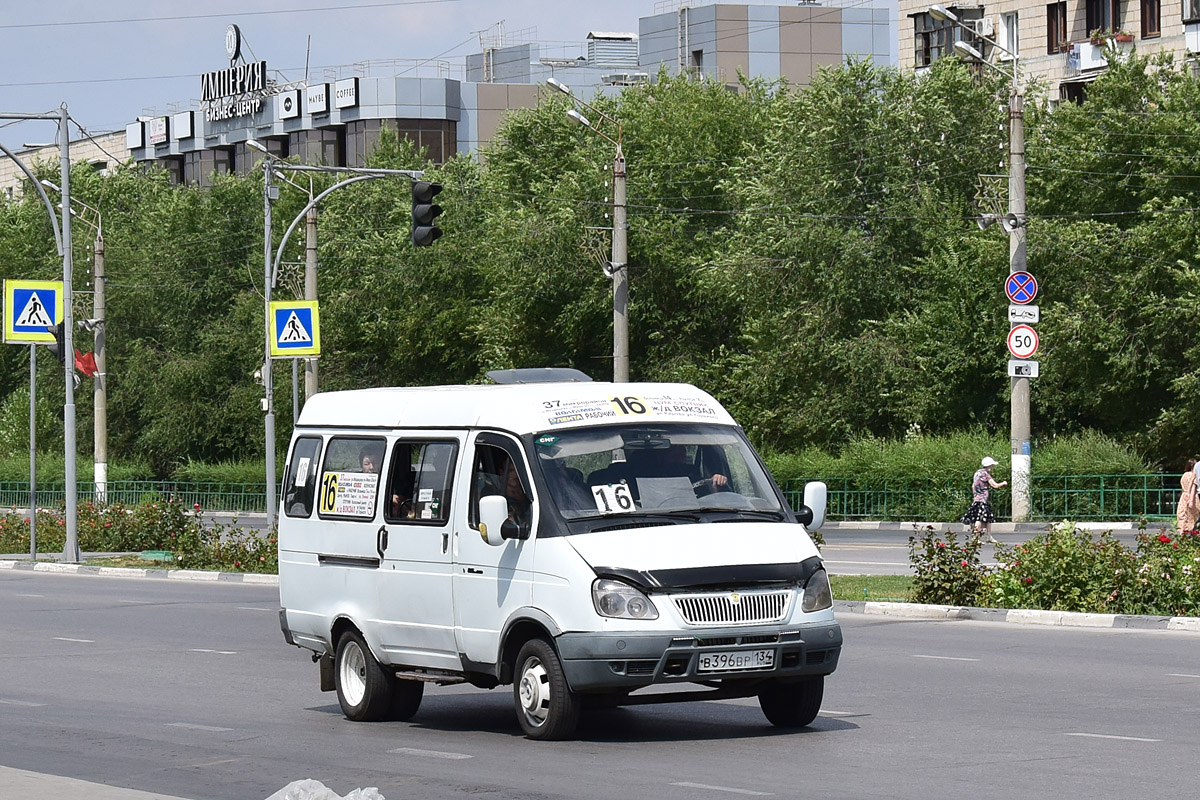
381 540
445 542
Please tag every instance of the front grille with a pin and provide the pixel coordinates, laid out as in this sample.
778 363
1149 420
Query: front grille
733 608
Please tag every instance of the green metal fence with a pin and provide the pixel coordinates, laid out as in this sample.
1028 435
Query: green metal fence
210 496
1077 497
1080 497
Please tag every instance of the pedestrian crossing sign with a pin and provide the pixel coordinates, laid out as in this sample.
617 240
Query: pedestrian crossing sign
30 308
295 329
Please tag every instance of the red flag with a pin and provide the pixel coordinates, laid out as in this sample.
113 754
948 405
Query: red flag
85 363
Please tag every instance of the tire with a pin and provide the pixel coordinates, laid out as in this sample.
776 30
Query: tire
792 705
406 699
364 688
546 707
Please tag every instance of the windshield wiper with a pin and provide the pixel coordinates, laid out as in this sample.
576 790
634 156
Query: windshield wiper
627 515
754 512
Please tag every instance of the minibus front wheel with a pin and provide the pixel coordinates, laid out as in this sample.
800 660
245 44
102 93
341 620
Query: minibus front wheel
546 707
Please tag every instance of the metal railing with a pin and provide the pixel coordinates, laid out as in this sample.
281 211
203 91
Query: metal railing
1076 497
211 496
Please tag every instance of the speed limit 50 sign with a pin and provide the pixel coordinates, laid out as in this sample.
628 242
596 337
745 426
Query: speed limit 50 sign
1022 341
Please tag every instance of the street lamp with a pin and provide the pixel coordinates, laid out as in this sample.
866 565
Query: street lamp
99 333
620 241
1014 224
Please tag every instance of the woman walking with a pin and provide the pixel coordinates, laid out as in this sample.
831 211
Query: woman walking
1188 507
979 516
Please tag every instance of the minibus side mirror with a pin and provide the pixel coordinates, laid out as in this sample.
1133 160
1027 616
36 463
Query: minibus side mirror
493 519
816 498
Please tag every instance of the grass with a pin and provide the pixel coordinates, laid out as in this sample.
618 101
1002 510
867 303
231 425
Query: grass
876 588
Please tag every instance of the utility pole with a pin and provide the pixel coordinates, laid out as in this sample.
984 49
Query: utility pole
100 390
620 273
310 292
71 541
1019 390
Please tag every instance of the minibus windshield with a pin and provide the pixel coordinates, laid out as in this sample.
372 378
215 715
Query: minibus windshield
653 469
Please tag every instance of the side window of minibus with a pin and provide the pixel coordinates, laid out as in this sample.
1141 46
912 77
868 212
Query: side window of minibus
419 482
300 484
350 477
496 471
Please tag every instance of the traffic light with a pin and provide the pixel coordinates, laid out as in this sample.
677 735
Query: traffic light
424 211
59 348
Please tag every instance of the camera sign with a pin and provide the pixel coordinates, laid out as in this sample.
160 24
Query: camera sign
1022 369
1022 341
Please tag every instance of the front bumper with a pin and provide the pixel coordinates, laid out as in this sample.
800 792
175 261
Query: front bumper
597 662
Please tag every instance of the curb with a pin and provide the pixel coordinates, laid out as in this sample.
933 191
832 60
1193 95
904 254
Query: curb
907 526
130 572
1019 616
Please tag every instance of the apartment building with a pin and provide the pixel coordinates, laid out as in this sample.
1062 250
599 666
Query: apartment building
1065 43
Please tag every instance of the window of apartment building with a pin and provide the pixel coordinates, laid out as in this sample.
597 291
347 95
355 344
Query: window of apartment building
1151 18
1103 15
1010 39
934 38
1191 10
1057 38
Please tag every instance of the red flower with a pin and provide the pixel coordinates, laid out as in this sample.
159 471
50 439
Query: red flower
965 564
237 563
1162 537
196 506
1026 581
941 544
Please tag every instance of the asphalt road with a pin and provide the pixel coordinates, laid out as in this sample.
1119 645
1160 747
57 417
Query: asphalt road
188 689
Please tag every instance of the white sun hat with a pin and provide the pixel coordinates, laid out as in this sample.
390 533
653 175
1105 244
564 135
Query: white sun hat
988 461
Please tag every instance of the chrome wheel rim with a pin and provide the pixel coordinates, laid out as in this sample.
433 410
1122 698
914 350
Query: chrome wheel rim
534 691
353 674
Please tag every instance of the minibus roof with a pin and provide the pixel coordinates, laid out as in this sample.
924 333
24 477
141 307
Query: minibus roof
520 408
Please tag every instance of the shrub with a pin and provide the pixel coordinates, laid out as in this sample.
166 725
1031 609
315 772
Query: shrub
1166 579
1064 569
946 572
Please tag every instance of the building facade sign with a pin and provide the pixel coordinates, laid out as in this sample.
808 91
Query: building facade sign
236 91
345 93
287 104
158 130
316 99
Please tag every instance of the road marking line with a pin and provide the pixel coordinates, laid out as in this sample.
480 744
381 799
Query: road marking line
217 763
31 595
81 641
1110 736
218 652
248 608
412 751
721 789
945 658
864 563
5 702
1181 675
193 727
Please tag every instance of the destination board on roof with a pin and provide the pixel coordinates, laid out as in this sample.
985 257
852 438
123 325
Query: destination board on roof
621 408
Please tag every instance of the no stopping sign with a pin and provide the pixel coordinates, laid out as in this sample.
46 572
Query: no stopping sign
1022 341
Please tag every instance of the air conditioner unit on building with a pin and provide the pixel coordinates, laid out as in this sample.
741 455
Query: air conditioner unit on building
985 26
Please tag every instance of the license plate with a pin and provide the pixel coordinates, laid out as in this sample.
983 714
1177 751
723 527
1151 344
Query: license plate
735 660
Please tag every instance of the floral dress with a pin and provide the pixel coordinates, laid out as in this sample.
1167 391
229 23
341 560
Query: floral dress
1186 511
980 510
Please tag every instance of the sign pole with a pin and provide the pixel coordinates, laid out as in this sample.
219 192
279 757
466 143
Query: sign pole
33 452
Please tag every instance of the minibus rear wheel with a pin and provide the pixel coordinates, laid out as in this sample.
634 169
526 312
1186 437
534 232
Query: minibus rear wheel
546 707
793 704
364 689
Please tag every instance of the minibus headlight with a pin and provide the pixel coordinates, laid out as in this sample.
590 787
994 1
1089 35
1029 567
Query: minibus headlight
620 600
817 594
